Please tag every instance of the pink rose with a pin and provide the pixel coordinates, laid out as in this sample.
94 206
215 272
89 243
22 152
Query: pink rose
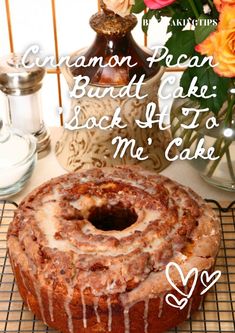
157 4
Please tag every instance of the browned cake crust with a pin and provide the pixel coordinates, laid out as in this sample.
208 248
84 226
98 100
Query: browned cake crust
89 250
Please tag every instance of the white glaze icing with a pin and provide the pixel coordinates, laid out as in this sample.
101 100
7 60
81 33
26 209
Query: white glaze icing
157 282
50 229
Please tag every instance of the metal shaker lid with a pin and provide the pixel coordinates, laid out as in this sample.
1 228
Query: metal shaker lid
16 79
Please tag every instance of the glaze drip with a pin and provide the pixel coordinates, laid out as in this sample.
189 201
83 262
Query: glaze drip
146 312
50 302
39 298
190 307
83 309
96 307
126 320
161 303
110 314
68 310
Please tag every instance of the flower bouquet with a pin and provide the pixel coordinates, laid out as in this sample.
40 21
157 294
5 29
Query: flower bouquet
199 28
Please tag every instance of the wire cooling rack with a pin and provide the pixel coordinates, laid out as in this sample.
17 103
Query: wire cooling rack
217 314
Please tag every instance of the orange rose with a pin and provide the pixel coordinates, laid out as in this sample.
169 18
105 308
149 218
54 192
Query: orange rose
221 44
220 3
227 18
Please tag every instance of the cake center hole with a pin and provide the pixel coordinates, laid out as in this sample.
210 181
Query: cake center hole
110 217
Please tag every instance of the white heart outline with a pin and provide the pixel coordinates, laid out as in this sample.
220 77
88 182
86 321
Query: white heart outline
181 307
208 279
183 279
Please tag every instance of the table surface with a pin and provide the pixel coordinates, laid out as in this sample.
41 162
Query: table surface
181 171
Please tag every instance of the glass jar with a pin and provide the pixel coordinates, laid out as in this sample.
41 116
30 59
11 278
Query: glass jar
17 159
21 84
219 172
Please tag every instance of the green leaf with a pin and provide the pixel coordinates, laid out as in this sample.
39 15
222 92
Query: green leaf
186 6
157 16
176 23
145 23
138 7
186 79
203 30
180 43
146 19
199 5
206 77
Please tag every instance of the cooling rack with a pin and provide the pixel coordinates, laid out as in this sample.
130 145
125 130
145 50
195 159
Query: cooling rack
217 313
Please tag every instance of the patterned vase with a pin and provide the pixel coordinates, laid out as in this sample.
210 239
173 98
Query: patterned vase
85 148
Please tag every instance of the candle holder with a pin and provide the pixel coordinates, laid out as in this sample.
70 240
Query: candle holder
21 84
